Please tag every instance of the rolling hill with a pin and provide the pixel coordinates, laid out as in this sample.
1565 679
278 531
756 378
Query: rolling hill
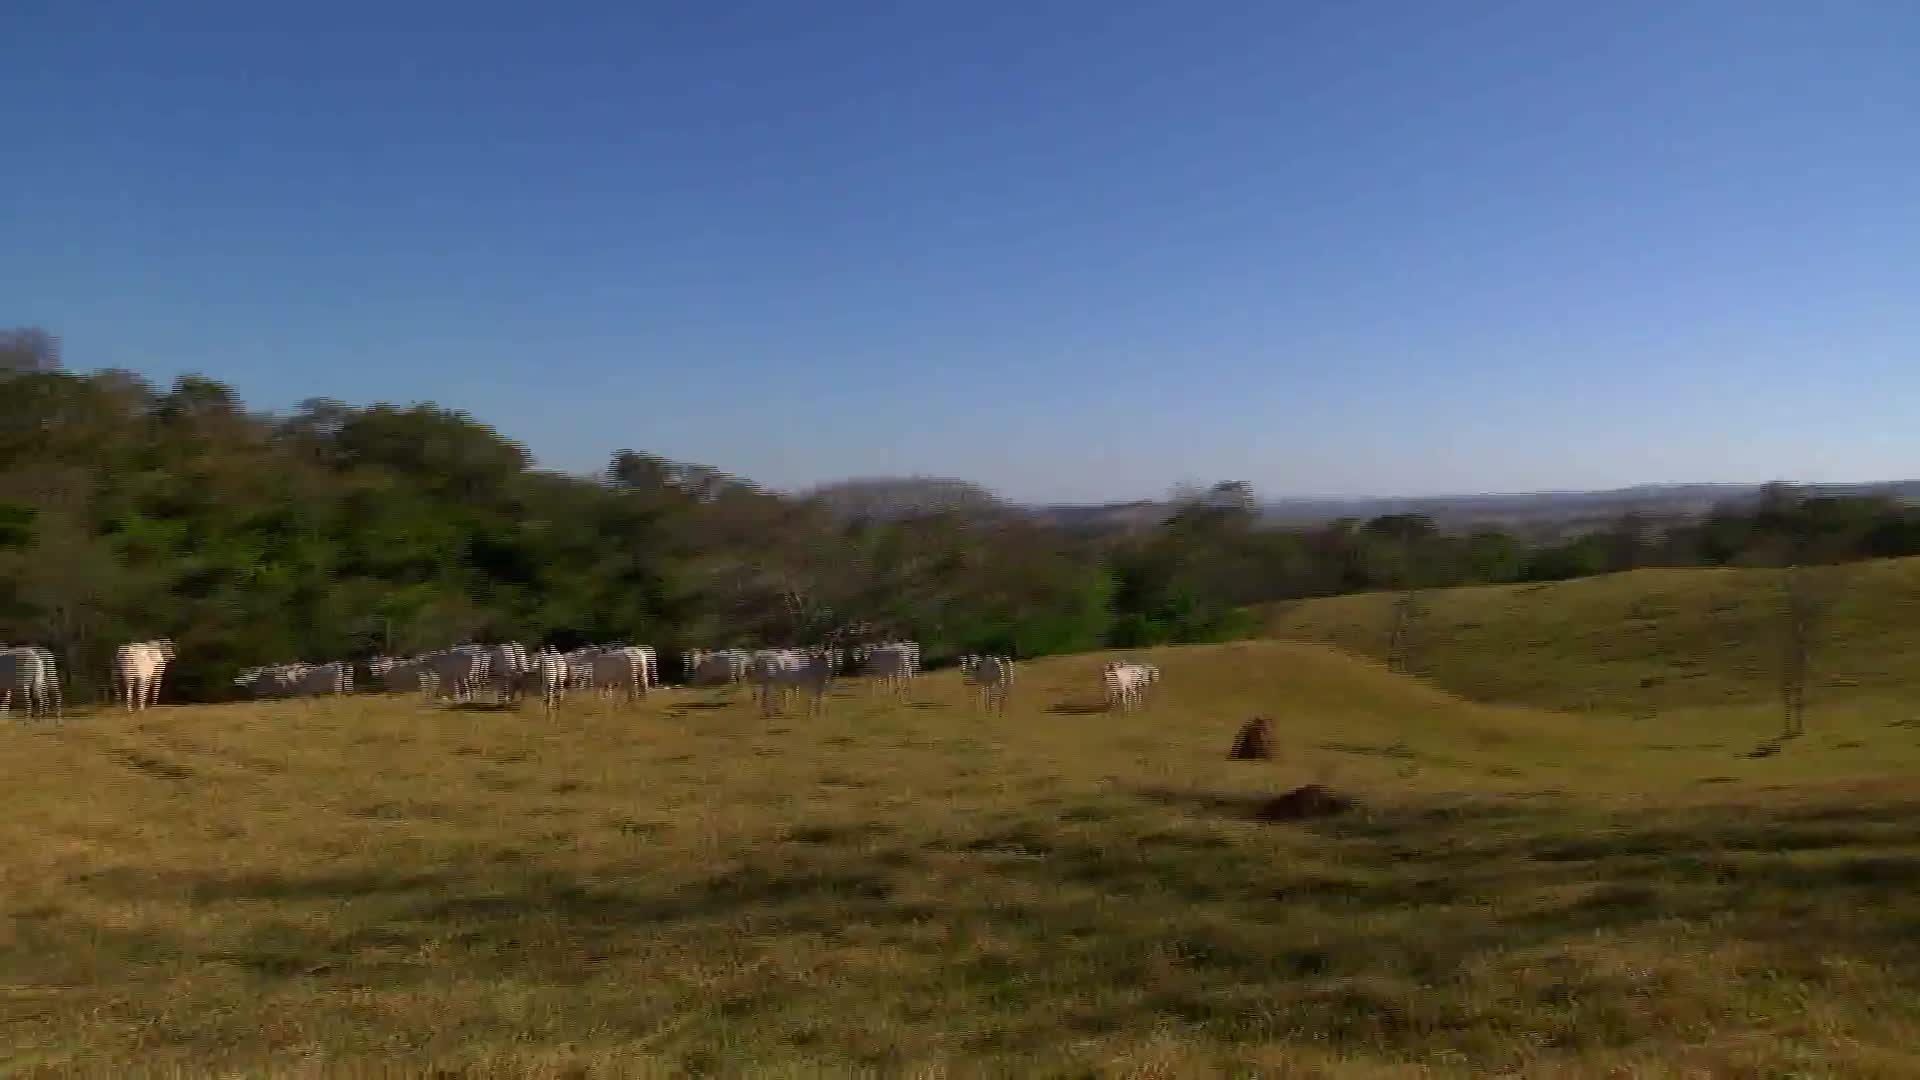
1641 642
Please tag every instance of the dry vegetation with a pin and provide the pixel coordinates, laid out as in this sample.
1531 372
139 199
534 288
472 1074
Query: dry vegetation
332 887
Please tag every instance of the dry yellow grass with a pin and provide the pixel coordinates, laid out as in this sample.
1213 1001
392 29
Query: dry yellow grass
340 887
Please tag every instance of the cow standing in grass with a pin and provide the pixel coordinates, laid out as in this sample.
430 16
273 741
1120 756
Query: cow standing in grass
892 666
780 673
137 670
28 673
401 676
993 676
1127 684
621 670
579 664
458 672
507 667
323 680
722 667
550 673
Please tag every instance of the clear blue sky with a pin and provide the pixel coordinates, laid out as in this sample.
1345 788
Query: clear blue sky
1065 249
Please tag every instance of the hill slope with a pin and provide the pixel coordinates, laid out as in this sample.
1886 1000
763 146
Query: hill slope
1640 642
917 888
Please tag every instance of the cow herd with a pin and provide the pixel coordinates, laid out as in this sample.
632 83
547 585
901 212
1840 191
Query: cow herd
297 680
508 672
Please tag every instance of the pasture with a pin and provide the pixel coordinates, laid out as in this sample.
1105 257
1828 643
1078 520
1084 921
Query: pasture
346 885
1644 642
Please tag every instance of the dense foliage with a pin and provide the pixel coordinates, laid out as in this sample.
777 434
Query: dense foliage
129 513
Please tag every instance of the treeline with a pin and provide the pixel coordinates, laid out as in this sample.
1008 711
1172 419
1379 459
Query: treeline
1785 527
129 513
1225 553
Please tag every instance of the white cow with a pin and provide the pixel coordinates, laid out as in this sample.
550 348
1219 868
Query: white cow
781 672
652 663
323 679
893 666
580 667
621 669
30 672
721 667
137 670
994 676
508 667
649 660
401 675
550 674
458 672
1127 684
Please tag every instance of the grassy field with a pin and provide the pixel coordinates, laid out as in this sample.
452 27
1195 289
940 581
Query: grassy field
1646 642
336 887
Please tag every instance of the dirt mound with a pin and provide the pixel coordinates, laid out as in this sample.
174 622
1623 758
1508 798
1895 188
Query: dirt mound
1255 741
1312 801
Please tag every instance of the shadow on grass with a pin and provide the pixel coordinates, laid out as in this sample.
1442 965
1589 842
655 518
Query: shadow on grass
1078 707
487 920
180 744
482 707
1417 891
129 884
138 761
1239 805
1756 870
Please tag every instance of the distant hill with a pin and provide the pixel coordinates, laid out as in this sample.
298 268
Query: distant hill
1107 518
892 498
1656 500
1539 515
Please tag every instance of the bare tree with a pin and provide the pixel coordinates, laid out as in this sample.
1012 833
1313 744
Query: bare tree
1804 602
29 348
1406 611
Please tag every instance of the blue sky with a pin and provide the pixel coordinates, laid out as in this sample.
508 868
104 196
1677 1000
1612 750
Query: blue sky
1071 250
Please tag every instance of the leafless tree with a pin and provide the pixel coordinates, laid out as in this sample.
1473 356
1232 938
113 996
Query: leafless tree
29 348
1406 611
1804 602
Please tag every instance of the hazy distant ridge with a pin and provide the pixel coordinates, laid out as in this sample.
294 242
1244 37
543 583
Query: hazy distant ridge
1537 510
